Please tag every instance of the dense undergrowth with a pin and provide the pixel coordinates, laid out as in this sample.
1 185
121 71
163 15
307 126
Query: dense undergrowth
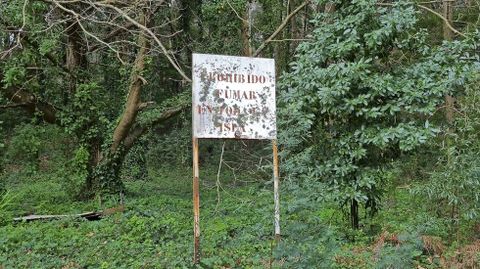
154 229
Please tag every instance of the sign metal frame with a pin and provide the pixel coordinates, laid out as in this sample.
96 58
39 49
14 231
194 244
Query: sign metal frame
246 111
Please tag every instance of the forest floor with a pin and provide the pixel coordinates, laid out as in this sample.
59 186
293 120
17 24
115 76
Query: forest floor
154 229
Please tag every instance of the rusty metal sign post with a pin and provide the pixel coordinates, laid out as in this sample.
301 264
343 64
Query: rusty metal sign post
232 97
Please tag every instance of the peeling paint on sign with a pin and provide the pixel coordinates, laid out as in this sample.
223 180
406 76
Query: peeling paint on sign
233 97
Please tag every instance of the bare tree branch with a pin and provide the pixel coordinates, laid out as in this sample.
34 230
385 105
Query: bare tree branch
447 23
236 13
280 28
29 101
152 35
77 16
112 34
13 105
140 130
144 105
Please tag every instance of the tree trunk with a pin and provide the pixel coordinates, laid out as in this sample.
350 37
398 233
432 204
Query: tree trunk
75 51
190 12
246 32
133 100
105 173
448 35
295 26
281 48
449 103
354 215
29 102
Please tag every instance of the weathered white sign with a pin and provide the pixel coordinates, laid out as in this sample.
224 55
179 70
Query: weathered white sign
233 97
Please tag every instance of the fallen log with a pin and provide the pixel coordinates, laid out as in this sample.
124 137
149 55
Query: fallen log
92 215
87 215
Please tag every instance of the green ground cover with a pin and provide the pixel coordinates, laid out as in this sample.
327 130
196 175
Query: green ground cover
155 228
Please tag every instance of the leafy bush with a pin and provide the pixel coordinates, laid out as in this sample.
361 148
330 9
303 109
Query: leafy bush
453 184
6 198
401 253
24 147
308 244
174 148
360 94
75 172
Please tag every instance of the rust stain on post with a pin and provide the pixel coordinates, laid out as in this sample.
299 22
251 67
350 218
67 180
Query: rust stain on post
196 203
276 191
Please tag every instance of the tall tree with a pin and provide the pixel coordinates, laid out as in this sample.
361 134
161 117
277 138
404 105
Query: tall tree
94 32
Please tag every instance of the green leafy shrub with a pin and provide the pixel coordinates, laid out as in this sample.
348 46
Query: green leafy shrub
6 198
361 93
308 244
400 253
24 147
75 172
174 148
452 186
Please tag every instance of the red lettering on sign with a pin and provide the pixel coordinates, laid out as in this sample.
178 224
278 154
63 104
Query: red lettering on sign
236 78
231 127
